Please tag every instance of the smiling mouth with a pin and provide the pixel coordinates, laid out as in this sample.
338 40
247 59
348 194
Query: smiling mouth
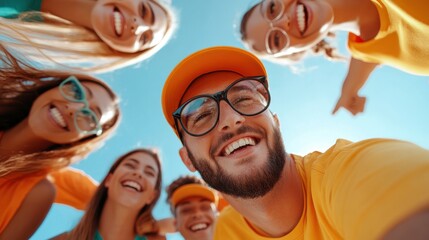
132 185
57 117
199 227
302 18
118 21
238 145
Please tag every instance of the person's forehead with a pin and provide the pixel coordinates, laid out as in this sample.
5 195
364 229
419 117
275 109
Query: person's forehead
210 83
193 201
143 159
255 29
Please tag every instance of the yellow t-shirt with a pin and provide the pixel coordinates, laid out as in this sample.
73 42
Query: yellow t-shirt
402 41
352 191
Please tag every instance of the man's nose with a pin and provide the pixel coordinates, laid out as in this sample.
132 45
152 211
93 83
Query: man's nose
228 117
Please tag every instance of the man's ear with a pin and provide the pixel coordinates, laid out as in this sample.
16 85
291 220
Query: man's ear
276 119
183 152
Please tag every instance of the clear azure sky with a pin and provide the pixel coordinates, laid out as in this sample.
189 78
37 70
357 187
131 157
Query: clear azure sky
397 103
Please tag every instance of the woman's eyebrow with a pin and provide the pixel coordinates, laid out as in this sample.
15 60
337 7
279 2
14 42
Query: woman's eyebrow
150 168
98 111
133 160
152 18
89 91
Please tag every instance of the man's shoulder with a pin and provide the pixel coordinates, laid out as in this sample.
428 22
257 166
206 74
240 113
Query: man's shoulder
229 214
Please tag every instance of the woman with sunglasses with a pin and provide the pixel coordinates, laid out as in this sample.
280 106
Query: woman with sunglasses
48 120
122 205
88 35
393 33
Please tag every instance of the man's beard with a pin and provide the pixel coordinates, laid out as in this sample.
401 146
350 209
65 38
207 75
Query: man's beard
255 182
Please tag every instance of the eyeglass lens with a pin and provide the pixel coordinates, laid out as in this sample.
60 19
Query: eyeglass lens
85 119
276 38
247 97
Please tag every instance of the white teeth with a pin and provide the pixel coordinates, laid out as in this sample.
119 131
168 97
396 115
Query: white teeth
199 226
239 143
133 185
118 22
300 17
58 118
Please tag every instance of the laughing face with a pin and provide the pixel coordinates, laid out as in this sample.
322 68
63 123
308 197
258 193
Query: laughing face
195 218
129 25
133 182
242 156
52 117
281 27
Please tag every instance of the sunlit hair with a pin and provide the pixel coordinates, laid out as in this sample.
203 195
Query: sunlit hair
62 44
145 223
181 181
20 85
323 47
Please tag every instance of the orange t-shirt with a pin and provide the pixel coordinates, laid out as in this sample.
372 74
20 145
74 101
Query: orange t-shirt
73 188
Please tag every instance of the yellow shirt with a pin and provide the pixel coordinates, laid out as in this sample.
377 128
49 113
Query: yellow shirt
402 41
352 191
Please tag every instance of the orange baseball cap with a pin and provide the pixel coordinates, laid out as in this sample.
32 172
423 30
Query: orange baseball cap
219 58
193 190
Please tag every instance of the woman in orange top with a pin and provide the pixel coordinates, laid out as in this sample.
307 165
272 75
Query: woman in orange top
388 32
122 205
48 120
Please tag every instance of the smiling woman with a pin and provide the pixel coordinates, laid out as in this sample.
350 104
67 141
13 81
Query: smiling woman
379 34
48 120
126 198
100 35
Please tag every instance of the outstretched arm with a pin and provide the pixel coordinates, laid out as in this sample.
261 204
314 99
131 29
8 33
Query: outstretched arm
357 75
74 187
414 227
31 212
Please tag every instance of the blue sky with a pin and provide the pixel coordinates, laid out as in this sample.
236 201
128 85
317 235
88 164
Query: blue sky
397 103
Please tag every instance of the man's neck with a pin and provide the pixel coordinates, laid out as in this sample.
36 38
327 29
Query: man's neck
117 222
279 211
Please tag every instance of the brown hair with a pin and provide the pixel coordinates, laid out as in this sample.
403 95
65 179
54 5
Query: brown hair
20 85
181 181
145 224
41 37
323 47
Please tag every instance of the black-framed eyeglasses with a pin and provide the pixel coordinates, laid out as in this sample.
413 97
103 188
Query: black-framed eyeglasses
248 96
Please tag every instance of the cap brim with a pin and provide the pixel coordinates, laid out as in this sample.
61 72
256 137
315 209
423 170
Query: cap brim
221 58
193 190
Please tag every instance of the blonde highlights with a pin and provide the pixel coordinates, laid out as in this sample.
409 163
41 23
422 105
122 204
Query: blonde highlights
56 42
20 85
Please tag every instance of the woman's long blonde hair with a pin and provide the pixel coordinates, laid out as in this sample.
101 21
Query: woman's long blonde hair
20 85
58 43
145 223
